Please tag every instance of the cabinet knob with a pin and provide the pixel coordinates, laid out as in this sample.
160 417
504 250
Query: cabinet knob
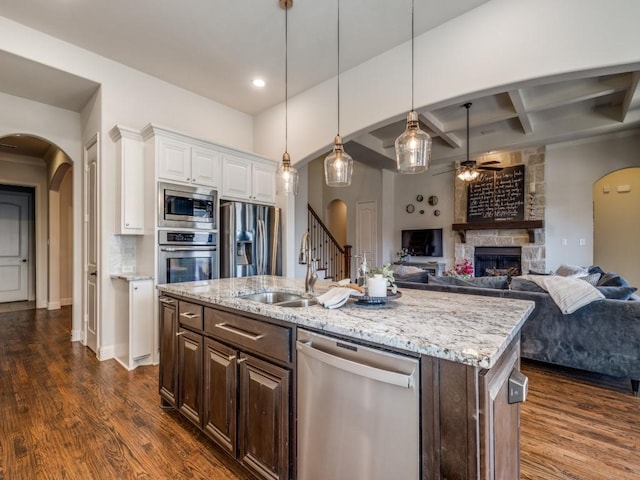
126 224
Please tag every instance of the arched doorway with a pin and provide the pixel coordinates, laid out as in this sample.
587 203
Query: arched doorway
36 164
616 229
337 221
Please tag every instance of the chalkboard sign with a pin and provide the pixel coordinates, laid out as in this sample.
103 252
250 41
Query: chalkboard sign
497 196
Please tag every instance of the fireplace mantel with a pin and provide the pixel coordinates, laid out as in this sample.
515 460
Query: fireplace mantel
529 225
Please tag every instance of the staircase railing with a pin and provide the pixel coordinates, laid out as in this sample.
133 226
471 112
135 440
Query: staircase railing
333 258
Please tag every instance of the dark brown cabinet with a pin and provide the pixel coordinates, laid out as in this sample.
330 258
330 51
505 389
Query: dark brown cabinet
220 394
168 350
264 418
230 375
190 375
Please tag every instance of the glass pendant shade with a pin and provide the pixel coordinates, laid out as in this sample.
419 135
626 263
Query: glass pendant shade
286 177
338 166
467 173
413 147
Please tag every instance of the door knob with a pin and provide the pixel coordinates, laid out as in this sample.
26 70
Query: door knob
24 260
93 274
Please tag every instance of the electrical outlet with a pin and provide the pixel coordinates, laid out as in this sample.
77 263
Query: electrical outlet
563 242
582 242
127 269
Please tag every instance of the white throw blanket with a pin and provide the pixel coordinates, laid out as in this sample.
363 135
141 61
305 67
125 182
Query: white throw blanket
569 293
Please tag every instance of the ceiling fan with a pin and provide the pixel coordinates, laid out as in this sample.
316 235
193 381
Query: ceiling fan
469 170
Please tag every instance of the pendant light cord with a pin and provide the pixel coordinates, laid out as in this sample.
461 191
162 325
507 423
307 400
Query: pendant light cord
338 67
286 78
412 60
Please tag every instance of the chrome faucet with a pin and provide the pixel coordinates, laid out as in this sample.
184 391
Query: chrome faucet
304 258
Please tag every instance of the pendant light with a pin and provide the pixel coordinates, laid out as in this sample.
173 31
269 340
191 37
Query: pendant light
467 171
338 165
413 147
287 176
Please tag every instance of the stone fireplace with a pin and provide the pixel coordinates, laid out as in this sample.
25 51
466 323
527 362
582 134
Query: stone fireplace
527 236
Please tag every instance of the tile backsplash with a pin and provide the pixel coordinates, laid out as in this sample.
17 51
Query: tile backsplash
123 254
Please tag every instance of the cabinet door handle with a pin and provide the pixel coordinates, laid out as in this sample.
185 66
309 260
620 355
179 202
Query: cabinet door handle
241 333
180 333
241 360
168 301
189 315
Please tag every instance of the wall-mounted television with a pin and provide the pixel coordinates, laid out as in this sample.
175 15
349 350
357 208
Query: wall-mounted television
423 243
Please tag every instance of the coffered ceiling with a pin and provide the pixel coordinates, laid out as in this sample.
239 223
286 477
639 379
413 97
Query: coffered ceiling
215 49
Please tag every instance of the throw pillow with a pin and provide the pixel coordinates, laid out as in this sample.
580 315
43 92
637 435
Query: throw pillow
571 271
595 269
618 293
591 278
535 272
612 279
523 285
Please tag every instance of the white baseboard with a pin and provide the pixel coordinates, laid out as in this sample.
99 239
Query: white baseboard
66 301
106 353
76 335
54 306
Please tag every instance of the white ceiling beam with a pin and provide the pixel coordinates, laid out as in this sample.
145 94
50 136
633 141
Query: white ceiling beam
431 121
517 99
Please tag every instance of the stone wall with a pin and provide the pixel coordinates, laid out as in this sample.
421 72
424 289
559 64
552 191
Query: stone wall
533 254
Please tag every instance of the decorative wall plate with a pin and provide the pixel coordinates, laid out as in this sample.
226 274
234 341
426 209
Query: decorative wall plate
433 200
410 208
419 198
436 213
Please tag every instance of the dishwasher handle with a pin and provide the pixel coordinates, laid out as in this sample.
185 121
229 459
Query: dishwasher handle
362 370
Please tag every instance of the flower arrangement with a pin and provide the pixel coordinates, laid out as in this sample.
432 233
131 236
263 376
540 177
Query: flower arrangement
387 272
461 270
403 253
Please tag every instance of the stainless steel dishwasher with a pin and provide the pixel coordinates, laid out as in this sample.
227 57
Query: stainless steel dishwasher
358 411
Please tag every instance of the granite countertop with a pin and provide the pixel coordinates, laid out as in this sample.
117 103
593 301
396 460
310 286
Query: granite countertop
131 277
469 329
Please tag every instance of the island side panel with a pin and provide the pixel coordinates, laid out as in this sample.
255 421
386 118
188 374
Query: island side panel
499 420
469 430
458 420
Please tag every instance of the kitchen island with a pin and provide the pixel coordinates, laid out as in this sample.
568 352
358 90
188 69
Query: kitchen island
221 354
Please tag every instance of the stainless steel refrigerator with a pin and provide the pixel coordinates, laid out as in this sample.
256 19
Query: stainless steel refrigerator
250 239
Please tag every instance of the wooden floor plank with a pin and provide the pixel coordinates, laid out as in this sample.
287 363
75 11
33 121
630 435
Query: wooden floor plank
65 415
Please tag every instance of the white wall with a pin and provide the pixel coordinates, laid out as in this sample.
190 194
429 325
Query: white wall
127 97
571 169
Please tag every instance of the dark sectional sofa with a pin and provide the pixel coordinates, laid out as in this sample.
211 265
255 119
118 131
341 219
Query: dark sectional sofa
602 337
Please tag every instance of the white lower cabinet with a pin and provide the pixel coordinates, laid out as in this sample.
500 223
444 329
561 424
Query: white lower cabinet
134 322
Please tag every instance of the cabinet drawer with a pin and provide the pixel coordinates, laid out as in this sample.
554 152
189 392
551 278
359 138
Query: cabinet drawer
260 337
190 315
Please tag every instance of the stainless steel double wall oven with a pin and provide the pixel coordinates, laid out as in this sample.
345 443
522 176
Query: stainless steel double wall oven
188 233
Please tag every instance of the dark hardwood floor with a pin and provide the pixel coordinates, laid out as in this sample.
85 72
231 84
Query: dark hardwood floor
64 415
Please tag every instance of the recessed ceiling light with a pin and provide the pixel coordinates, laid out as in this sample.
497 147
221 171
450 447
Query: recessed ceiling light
258 82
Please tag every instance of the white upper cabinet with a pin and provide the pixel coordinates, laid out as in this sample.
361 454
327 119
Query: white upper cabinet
206 167
130 182
180 161
248 179
264 182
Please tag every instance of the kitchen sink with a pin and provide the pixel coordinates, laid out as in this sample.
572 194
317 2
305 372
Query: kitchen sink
302 302
272 297
281 299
